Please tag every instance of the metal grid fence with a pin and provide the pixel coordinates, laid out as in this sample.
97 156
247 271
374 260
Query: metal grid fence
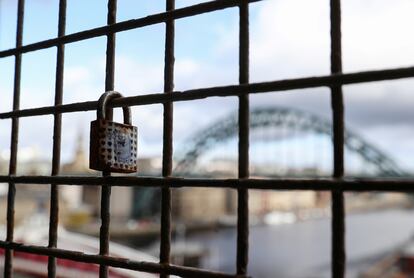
337 184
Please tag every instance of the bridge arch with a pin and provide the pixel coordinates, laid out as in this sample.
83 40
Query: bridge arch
226 128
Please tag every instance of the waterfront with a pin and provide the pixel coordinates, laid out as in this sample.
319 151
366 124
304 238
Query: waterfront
302 249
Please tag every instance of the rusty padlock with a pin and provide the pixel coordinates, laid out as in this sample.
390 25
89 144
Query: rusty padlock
113 146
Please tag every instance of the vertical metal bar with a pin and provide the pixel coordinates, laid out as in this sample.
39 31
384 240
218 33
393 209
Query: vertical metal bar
338 211
243 197
110 48
8 261
57 132
106 189
165 245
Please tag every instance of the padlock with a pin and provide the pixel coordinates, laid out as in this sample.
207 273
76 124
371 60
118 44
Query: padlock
113 146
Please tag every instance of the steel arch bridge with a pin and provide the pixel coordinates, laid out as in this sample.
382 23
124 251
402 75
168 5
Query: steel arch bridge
275 117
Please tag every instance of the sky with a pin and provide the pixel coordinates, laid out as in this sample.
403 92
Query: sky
288 39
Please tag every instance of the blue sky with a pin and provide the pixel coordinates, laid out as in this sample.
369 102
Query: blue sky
289 38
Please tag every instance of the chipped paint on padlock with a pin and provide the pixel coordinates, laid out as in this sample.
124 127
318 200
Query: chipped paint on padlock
113 145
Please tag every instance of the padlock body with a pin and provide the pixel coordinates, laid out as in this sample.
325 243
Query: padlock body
113 147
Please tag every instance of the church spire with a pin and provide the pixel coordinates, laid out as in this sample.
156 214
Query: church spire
79 152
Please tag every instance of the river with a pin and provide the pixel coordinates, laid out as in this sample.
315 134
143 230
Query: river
303 249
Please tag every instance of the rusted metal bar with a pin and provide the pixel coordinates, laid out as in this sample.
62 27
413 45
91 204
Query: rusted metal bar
105 221
106 188
110 48
151 267
338 206
224 91
242 193
8 258
167 154
57 132
344 184
126 25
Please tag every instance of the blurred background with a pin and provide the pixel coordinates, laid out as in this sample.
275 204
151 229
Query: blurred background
290 132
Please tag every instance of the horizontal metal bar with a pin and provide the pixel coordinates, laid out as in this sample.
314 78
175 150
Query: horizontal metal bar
345 184
224 91
126 25
114 261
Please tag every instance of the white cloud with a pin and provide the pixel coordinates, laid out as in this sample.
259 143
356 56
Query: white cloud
133 77
290 39
375 34
76 75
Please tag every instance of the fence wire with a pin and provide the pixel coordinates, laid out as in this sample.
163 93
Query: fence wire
337 184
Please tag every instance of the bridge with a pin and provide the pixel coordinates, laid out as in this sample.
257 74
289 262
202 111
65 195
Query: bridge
273 119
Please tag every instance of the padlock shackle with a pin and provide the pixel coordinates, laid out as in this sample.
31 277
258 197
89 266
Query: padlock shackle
103 109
